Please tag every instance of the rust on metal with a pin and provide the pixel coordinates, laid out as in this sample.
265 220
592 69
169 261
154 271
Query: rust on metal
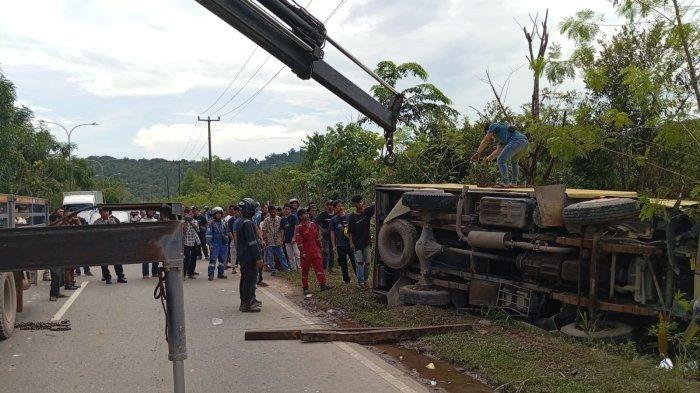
610 247
629 308
65 246
550 205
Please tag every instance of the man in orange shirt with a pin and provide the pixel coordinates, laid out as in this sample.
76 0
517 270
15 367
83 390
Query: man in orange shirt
307 238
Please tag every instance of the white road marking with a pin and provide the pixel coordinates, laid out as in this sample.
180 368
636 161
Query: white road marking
345 347
67 304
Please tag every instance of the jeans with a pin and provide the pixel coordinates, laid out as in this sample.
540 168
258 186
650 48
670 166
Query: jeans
190 260
344 252
249 278
154 269
293 254
363 259
233 253
328 257
203 242
218 254
508 159
275 251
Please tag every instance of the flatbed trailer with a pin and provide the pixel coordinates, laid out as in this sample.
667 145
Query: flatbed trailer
56 247
536 252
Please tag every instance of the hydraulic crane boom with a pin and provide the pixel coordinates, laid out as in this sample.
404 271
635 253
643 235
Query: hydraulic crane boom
297 38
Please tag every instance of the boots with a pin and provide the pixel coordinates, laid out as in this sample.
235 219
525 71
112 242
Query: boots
249 307
325 287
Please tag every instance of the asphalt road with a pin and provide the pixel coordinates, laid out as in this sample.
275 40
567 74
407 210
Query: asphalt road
117 345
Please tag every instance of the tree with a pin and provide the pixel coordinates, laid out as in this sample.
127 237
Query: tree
348 161
33 162
684 36
423 105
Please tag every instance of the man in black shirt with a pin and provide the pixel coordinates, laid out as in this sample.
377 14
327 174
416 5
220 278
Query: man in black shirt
249 256
361 239
203 223
341 241
323 220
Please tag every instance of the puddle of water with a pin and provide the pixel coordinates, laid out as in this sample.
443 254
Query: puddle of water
446 376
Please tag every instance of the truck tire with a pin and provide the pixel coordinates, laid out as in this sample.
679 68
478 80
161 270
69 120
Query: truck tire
429 200
8 305
424 295
600 211
613 330
397 244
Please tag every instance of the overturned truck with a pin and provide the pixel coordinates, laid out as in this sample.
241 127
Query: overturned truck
550 254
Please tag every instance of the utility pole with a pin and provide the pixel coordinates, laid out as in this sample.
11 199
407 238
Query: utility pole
167 185
179 176
209 120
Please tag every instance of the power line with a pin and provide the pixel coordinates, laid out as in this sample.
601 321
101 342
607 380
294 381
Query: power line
242 87
232 80
250 99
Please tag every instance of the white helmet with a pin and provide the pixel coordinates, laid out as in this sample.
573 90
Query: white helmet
217 209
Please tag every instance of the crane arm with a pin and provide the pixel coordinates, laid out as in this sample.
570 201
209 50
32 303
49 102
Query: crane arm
297 39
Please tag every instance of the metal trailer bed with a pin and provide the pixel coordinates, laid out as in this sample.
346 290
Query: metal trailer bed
52 247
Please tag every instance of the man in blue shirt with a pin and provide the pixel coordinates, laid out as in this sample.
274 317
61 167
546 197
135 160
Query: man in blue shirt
217 239
511 147
288 223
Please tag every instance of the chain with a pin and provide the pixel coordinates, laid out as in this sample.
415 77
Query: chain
390 157
159 293
55 326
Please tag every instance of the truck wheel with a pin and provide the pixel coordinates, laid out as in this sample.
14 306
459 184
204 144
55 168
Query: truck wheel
397 243
425 295
600 211
429 200
609 331
8 305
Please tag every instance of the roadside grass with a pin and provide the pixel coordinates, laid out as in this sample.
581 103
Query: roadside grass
510 355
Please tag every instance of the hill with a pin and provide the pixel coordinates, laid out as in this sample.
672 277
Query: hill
157 178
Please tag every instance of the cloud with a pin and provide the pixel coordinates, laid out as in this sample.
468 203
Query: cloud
232 140
142 69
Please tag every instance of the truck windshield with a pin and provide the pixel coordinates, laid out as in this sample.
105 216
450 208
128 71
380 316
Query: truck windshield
76 207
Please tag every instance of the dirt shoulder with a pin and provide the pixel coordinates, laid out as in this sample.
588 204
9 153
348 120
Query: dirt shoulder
509 355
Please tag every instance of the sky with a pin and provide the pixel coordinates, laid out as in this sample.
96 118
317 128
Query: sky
145 70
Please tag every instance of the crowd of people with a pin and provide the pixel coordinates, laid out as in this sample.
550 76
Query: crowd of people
287 237
252 238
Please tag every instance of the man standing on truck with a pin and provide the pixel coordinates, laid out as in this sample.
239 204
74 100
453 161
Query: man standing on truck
360 238
511 147
105 219
340 240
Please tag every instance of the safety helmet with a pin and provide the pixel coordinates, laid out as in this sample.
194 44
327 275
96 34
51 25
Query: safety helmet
248 205
217 209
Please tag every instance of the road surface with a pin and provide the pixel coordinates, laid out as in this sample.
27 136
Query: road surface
117 345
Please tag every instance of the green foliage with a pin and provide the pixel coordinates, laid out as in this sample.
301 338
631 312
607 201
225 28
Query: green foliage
423 103
216 194
33 162
347 162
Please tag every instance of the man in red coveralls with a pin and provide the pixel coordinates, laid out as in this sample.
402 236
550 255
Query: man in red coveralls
307 237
